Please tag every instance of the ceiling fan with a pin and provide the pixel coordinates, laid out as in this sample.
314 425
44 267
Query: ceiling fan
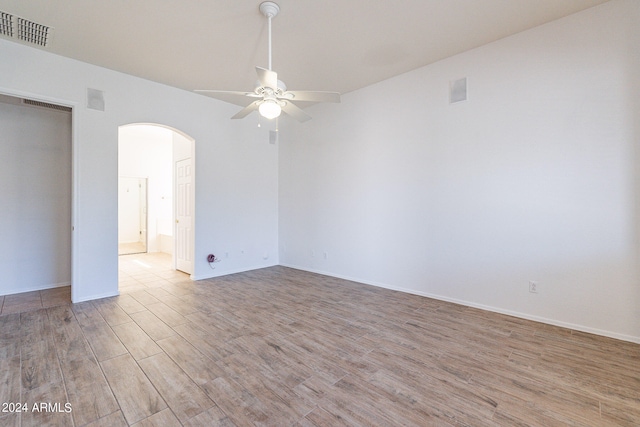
270 95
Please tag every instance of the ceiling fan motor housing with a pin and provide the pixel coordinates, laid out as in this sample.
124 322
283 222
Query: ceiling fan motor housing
269 9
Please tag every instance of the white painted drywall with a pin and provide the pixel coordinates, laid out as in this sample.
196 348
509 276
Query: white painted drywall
236 169
534 177
35 187
131 209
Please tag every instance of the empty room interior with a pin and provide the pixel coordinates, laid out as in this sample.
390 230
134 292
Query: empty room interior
296 213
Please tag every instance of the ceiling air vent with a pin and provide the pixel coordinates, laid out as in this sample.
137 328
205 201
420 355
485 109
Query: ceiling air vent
6 24
46 105
24 30
31 32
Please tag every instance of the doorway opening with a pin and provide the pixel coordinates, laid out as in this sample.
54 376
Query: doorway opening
156 193
37 169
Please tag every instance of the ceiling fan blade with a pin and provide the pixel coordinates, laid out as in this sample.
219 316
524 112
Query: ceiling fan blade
247 110
233 97
313 96
267 78
295 112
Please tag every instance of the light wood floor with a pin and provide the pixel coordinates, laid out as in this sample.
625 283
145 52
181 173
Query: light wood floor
279 347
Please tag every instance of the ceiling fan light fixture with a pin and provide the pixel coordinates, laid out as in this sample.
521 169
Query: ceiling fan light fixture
269 109
272 94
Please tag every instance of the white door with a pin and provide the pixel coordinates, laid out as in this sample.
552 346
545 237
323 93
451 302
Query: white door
184 216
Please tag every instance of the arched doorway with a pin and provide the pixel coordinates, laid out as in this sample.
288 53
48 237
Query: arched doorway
156 192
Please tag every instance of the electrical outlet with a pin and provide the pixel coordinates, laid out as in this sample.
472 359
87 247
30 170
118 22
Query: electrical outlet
533 287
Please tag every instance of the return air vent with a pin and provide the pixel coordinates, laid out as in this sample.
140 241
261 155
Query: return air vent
46 105
27 31
31 32
6 24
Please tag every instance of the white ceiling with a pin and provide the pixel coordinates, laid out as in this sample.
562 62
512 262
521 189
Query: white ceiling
317 44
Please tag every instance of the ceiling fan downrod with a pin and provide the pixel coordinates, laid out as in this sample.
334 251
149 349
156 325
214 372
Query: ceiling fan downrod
270 10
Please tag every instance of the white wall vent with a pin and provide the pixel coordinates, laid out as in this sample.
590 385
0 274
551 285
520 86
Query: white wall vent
32 32
46 105
95 99
22 29
273 136
6 24
458 90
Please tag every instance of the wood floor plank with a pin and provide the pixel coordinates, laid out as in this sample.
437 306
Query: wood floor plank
115 419
87 313
183 396
320 417
46 406
69 339
278 346
111 311
200 368
103 341
620 413
137 342
214 417
279 403
22 302
178 304
137 397
88 389
152 325
359 401
10 378
164 418
201 339
10 335
144 297
39 363
11 419
85 385
167 314
129 304
242 407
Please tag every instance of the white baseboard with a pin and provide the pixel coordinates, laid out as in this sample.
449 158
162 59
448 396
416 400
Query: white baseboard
98 296
23 289
554 322
220 273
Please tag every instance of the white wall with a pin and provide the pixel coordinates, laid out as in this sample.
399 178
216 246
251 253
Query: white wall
131 209
236 170
35 188
534 177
